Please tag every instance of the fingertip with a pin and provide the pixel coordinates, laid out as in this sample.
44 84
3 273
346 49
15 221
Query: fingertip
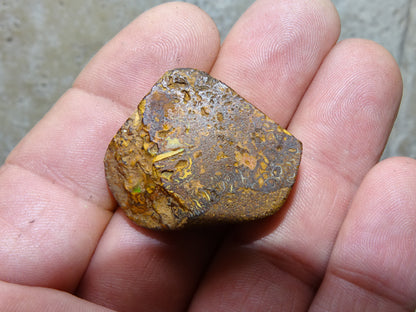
391 184
168 36
274 50
349 109
371 53
374 255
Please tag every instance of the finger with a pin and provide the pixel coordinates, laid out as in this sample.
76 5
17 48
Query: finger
374 259
354 96
344 121
135 269
165 37
28 298
131 267
54 199
272 53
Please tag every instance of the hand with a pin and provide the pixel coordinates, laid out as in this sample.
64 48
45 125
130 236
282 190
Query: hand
344 240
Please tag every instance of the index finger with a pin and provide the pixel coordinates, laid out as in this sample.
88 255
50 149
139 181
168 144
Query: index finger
53 195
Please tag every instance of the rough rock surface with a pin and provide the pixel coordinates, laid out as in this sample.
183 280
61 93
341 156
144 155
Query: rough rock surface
195 152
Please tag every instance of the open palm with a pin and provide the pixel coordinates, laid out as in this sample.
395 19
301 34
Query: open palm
345 240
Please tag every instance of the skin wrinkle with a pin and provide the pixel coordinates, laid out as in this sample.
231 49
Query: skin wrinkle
36 175
363 237
334 203
54 178
352 277
293 265
123 107
19 297
61 175
37 251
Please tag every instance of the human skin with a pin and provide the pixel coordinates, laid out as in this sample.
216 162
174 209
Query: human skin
345 240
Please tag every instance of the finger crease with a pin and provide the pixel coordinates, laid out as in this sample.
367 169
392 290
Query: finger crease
371 285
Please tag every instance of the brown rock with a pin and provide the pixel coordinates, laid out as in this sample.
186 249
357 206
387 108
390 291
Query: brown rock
195 152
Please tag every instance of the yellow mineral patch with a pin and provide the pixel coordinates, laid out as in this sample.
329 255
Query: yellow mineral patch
242 145
187 171
261 137
186 96
245 160
167 175
195 185
149 190
153 150
205 111
180 165
206 195
124 143
146 145
142 106
220 156
258 113
173 143
167 155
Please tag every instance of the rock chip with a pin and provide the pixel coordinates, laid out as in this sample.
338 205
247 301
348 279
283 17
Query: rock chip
195 152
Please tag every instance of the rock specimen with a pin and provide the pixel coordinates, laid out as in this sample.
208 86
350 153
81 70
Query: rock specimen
195 152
